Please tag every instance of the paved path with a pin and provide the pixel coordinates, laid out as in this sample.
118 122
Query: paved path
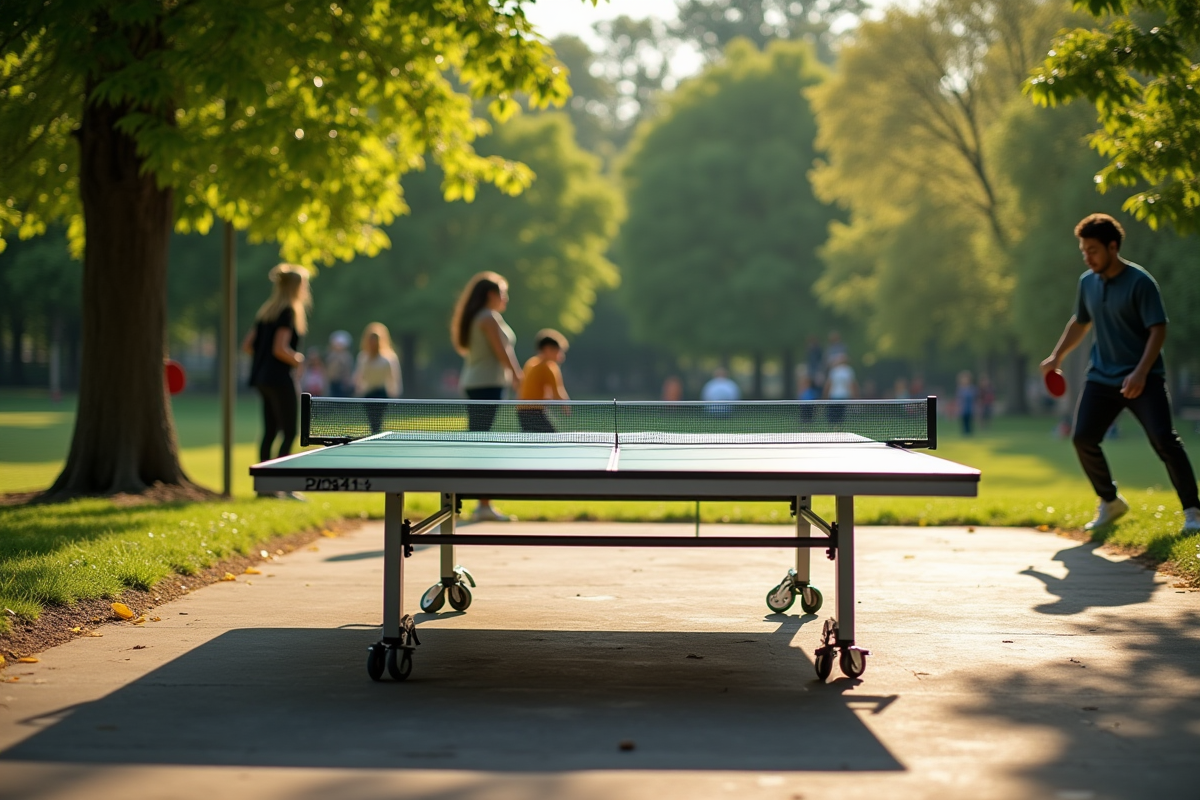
1007 664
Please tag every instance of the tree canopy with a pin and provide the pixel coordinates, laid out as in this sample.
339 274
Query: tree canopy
905 123
550 242
712 24
1142 74
719 252
295 121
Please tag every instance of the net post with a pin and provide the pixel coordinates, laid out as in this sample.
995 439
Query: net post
616 425
931 421
305 411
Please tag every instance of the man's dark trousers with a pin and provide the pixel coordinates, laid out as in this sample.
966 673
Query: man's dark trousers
1099 406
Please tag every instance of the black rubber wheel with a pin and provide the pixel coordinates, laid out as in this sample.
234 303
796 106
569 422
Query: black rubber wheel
824 665
399 663
433 599
811 599
853 662
376 655
777 596
459 597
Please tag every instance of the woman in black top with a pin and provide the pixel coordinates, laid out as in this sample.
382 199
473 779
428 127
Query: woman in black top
274 341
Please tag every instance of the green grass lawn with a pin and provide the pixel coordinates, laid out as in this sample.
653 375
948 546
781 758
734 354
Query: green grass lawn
91 548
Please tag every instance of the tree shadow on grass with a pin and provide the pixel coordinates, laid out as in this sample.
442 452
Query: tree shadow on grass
490 700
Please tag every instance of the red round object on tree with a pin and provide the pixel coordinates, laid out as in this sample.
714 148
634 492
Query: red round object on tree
174 375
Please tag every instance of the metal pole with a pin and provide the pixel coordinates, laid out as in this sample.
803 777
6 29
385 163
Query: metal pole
697 518
228 376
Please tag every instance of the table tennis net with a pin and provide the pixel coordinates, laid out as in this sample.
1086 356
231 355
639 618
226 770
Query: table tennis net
907 423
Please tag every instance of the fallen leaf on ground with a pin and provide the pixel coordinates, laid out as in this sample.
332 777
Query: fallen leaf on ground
123 611
156 619
140 620
313 549
253 571
1 659
1043 528
229 576
95 635
77 629
13 679
28 660
95 619
329 534
970 530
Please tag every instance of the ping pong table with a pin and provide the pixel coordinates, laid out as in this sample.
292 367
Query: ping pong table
748 451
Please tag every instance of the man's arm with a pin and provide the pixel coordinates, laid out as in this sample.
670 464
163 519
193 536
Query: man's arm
1135 381
1072 335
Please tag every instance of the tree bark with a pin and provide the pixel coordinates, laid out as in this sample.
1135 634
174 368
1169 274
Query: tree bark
17 366
1019 403
408 365
758 375
789 374
124 438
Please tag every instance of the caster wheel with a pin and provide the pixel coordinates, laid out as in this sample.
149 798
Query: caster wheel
433 599
823 661
780 598
399 663
853 662
459 597
376 654
810 599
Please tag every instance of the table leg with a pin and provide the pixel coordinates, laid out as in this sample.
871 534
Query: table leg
393 567
845 570
448 575
803 554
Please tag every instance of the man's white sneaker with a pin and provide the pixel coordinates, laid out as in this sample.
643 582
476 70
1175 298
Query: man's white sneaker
1191 520
1108 513
488 514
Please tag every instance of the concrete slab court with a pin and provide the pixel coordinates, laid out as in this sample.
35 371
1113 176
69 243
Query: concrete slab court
1006 664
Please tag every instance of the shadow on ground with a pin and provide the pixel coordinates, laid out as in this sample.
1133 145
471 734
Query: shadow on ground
500 701
1093 581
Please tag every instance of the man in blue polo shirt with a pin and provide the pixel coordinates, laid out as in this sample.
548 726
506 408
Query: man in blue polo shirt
1121 301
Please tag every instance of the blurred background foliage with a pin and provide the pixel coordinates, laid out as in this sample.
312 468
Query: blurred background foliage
879 175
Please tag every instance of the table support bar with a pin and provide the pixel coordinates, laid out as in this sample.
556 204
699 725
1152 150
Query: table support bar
783 542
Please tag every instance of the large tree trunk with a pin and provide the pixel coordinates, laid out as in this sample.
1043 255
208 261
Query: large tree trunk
124 439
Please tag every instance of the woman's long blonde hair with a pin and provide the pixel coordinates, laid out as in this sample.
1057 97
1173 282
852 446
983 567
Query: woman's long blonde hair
385 339
290 291
474 297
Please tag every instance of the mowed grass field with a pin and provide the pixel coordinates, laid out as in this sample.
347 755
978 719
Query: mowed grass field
92 548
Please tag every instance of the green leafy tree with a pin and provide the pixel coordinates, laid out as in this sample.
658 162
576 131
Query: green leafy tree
719 253
712 24
294 120
1050 170
550 242
1142 73
906 125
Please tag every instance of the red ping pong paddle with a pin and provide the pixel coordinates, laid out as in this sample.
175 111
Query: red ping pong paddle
1056 384
174 375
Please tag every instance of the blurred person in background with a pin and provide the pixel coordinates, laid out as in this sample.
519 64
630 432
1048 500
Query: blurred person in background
808 390
672 389
339 365
841 383
965 397
273 343
543 381
814 359
486 343
900 389
720 387
312 380
377 371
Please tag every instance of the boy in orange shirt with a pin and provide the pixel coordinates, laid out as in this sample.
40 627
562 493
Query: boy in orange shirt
543 381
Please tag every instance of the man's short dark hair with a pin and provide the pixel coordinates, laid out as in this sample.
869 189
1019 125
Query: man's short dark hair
1102 228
